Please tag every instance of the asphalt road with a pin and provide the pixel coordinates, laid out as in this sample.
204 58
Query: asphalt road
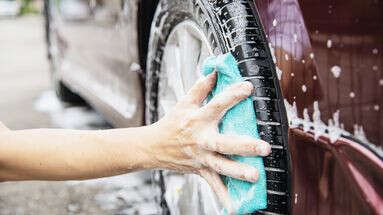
27 101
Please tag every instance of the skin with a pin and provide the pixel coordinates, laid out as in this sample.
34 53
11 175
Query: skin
185 140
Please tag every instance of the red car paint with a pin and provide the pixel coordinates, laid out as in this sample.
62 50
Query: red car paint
310 38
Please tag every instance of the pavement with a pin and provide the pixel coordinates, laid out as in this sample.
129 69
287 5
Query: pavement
27 101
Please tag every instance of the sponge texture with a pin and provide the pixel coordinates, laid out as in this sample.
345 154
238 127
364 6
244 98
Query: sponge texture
240 120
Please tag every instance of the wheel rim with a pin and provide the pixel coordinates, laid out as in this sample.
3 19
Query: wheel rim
184 53
185 50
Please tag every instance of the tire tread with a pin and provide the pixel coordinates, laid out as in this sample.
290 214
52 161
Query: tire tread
245 39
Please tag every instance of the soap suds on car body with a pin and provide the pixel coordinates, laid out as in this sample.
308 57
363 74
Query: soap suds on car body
278 70
333 130
336 71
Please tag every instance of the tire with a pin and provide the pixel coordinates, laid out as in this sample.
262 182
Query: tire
62 91
230 26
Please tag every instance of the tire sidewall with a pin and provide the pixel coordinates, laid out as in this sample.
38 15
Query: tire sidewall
168 15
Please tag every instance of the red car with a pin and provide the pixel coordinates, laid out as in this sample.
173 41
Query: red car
317 68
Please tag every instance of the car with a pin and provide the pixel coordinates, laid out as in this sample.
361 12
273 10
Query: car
316 67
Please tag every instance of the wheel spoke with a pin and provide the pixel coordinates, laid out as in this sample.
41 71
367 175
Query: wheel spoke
205 52
173 69
168 76
191 48
184 53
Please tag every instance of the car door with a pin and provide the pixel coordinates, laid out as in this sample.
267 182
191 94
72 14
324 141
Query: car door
329 54
101 56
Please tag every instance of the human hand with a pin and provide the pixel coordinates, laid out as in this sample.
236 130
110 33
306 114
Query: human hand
189 140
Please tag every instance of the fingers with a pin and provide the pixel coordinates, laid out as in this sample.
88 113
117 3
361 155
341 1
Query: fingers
237 145
215 182
232 95
201 89
225 166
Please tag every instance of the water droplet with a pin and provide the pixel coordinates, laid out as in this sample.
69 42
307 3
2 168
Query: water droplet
272 53
303 61
295 38
329 43
376 107
336 70
292 74
279 73
304 88
312 55
352 95
315 77
275 22
375 68
375 51
286 57
381 82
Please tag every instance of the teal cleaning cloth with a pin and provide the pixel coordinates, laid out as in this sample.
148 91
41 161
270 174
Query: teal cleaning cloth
240 120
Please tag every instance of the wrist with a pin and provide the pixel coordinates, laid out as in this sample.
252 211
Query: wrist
160 146
132 148
153 146
148 146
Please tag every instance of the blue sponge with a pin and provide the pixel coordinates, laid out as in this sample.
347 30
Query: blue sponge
247 197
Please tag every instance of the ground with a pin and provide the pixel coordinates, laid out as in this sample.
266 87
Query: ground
27 101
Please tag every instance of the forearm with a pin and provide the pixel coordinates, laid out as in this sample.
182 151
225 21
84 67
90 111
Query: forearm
55 154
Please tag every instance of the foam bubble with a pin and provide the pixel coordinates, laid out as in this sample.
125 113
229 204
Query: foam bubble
336 70
275 22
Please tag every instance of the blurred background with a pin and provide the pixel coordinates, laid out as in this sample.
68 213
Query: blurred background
27 101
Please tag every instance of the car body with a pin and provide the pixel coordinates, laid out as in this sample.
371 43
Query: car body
329 56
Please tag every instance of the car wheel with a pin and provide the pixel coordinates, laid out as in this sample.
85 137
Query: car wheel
55 55
183 34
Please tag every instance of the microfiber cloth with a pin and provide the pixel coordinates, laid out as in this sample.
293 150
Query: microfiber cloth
240 120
